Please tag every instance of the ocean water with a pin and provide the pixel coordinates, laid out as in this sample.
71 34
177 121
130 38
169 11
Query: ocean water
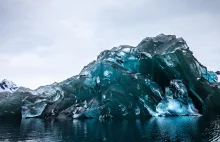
202 128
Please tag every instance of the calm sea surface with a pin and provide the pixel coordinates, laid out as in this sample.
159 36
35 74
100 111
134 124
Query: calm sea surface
203 128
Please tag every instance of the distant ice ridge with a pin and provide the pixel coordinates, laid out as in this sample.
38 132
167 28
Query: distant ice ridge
8 86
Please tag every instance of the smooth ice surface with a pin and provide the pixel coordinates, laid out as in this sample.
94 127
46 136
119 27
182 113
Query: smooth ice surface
158 77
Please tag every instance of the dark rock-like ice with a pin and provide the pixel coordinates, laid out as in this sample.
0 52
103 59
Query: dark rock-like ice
158 77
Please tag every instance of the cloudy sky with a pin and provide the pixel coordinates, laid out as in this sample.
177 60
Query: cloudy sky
43 41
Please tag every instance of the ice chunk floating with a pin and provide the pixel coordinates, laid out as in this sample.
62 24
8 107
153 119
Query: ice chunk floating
158 77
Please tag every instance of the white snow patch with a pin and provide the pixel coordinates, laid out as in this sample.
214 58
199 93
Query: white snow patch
8 86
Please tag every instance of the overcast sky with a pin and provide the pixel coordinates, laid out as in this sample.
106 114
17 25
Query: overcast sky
43 41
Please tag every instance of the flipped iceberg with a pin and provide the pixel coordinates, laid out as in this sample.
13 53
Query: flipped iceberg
158 77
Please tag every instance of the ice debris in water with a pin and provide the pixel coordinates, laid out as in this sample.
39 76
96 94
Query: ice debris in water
158 77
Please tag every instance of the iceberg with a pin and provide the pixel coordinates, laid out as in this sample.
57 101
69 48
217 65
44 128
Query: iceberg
158 77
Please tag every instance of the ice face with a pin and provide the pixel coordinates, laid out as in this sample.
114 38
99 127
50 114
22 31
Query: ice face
209 75
33 110
176 101
159 77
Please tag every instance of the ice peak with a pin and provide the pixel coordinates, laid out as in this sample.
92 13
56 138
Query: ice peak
8 86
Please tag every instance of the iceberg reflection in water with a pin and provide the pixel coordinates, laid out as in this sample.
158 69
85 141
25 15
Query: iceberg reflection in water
200 128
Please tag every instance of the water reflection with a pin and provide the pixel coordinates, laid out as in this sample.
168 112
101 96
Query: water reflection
173 128
205 128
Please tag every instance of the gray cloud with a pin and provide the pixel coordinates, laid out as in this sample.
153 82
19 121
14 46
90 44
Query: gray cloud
46 41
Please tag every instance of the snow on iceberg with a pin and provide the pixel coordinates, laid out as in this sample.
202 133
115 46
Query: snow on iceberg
8 86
